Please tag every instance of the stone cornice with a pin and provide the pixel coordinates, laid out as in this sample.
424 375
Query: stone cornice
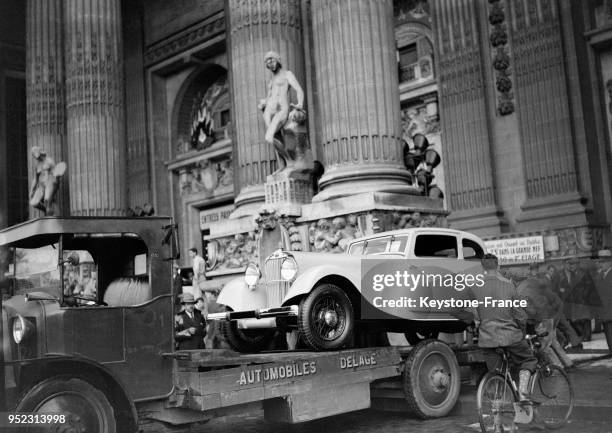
185 39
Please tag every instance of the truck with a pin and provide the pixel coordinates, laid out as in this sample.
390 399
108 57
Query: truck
87 329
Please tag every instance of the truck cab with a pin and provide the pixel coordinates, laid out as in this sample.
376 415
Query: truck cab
87 310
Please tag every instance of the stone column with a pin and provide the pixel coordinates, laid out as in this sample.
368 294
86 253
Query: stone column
138 174
45 88
357 98
254 29
94 107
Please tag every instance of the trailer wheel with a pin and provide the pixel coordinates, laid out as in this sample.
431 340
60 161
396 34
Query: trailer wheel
86 407
326 318
245 340
431 379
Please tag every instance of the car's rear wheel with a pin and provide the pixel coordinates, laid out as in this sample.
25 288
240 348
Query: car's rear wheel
326 319
245 340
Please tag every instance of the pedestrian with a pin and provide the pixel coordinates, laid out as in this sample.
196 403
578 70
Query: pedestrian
199 272
580 297
543 307
190 326
567 336
502 327
177 286
604 290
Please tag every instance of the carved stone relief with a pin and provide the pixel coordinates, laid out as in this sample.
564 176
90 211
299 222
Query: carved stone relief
207 175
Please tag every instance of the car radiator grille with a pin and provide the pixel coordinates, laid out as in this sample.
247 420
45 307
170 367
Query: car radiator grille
276 288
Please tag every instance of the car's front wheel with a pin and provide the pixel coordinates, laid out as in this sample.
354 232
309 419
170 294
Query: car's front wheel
245 340
326 319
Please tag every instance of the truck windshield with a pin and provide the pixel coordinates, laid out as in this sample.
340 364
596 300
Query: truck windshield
36 270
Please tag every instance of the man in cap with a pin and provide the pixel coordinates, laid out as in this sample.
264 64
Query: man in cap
190 326
603 285
502 327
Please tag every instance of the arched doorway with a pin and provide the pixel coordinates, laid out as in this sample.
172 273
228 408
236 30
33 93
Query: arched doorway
201 168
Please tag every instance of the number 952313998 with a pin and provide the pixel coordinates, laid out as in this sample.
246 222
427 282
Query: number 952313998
17 419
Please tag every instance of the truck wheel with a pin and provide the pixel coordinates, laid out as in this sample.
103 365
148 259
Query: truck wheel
326 319
86 407
431 379
415 336
245 340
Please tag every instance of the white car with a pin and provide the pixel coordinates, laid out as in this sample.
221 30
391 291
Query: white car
320 294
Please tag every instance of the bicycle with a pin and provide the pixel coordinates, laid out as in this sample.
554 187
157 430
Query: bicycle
551 395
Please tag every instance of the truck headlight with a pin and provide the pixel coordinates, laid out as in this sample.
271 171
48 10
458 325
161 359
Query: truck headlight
288 269
21 329
251 275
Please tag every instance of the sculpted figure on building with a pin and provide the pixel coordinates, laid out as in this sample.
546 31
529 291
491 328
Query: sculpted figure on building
285 121
45 182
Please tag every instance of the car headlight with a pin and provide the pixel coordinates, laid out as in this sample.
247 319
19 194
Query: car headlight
288 269
21 328
251 275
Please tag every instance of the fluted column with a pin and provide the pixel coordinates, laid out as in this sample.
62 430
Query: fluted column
45 88
357 97
94 107
256 28
138 176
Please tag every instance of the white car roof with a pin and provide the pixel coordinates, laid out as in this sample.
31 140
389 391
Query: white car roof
417 230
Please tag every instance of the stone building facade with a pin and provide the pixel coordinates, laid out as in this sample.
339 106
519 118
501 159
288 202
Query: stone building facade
155 103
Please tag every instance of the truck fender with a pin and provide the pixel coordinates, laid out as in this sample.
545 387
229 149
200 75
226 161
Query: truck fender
307 281
240 297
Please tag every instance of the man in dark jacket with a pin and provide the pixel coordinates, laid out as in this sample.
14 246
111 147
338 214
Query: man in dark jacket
177 287
604 290
543 307
579 296
190 327
503 327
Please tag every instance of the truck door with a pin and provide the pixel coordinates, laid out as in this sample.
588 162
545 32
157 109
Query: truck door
115 319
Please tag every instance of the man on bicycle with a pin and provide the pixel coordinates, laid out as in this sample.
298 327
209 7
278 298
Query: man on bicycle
502 327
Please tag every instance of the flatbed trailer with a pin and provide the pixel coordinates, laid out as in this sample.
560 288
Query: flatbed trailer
298 386
109 361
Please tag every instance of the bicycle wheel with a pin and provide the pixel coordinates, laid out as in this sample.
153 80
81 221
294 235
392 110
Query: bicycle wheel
495 400
552 395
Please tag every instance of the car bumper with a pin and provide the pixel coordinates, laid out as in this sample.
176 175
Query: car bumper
263 313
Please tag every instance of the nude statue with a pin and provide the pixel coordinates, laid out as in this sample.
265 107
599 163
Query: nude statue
45 182
277 108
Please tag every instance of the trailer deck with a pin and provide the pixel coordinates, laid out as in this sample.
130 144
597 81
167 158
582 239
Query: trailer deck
293 386
297 386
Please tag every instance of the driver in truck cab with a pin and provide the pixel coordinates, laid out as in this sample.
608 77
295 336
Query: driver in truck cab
502 327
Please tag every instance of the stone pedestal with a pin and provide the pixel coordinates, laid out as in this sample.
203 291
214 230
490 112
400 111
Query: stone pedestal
45 88
254 29
357 98
94 107
287 192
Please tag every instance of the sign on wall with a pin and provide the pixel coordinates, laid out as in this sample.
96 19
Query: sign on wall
516 251
214 215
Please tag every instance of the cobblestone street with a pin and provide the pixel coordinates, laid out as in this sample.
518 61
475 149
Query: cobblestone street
369 421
